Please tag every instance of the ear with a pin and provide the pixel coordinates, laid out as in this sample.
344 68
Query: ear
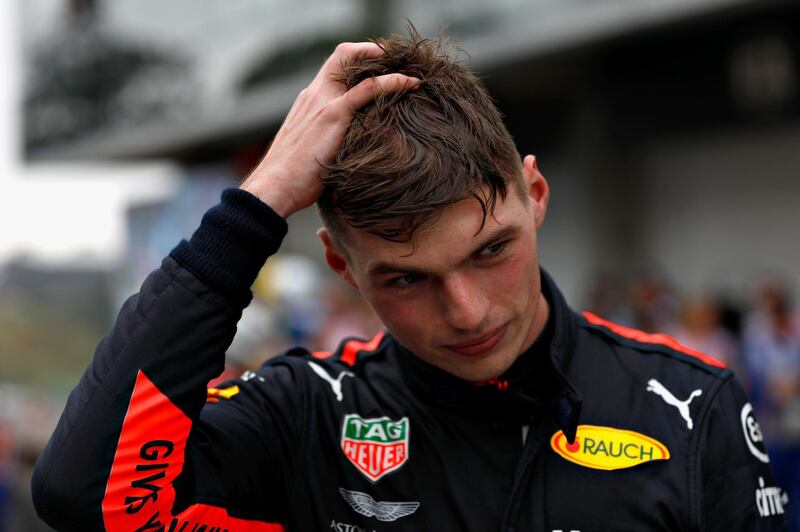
537 188
336 260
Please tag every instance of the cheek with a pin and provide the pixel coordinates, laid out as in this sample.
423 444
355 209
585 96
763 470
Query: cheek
401 314
515 274
516 280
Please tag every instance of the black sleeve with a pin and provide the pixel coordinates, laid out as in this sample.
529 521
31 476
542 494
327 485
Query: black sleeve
132 450
736 489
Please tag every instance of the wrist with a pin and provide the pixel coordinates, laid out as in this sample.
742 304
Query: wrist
234 239
279 201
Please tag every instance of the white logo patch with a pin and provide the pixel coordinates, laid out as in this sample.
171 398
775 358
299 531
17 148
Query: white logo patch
682 406
250 375
752 434
336 384
382 511
770 500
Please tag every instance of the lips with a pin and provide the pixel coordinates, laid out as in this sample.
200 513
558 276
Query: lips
480 345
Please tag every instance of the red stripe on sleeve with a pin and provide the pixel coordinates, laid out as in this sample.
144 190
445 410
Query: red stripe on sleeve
351 348
149 457
197 516
660 339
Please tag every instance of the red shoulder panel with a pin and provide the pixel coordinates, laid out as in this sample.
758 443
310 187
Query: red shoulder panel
647 338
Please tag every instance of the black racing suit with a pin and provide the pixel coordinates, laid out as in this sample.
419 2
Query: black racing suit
594 427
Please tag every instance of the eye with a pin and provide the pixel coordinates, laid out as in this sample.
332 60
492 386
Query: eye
404 281
493 250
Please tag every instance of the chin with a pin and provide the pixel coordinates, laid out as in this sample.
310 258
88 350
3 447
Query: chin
485 368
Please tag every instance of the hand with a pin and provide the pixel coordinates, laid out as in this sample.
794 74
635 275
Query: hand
288 177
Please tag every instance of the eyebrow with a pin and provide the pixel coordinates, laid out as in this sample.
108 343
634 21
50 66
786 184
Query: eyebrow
504 233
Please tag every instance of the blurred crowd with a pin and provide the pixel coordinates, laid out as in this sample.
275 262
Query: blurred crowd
297 304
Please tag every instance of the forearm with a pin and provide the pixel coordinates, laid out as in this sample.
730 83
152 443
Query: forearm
173 334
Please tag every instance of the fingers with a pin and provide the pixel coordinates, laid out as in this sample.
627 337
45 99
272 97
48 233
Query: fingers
345 52
370 88
288 177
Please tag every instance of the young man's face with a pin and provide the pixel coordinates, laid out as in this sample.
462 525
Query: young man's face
466 301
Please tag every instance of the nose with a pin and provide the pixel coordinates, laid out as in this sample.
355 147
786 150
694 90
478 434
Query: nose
465 303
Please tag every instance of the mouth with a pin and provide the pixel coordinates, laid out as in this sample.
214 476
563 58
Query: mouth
480 345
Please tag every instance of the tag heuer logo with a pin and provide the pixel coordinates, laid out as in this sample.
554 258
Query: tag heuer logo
375 446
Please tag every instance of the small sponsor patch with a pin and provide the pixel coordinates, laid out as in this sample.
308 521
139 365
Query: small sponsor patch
752 434
215 394
364 504
608 448
375 446
336 526
770 500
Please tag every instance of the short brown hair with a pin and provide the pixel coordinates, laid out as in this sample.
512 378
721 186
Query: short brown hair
411 153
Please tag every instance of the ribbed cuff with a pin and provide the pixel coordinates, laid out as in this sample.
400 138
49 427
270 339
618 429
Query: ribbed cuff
232 243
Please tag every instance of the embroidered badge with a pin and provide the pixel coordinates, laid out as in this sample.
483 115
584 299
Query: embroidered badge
608 448
375 446
364 504
752 433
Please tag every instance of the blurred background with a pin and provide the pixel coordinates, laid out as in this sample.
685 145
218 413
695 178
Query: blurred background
669 131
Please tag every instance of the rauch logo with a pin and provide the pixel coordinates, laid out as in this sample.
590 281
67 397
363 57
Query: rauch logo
608 448
375 446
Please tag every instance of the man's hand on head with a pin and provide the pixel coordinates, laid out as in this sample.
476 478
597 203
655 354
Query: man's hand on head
288 177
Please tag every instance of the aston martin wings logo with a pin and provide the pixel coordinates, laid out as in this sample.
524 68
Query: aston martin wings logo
382 511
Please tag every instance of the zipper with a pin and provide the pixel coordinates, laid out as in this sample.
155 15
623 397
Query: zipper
522 474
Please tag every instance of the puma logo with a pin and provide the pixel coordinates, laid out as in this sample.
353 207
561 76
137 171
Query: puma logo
336 384
682 406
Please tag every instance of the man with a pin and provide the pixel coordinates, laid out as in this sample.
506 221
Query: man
486 405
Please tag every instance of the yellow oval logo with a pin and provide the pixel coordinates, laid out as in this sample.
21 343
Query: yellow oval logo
608 448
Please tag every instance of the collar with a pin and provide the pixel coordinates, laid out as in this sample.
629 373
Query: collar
535 384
